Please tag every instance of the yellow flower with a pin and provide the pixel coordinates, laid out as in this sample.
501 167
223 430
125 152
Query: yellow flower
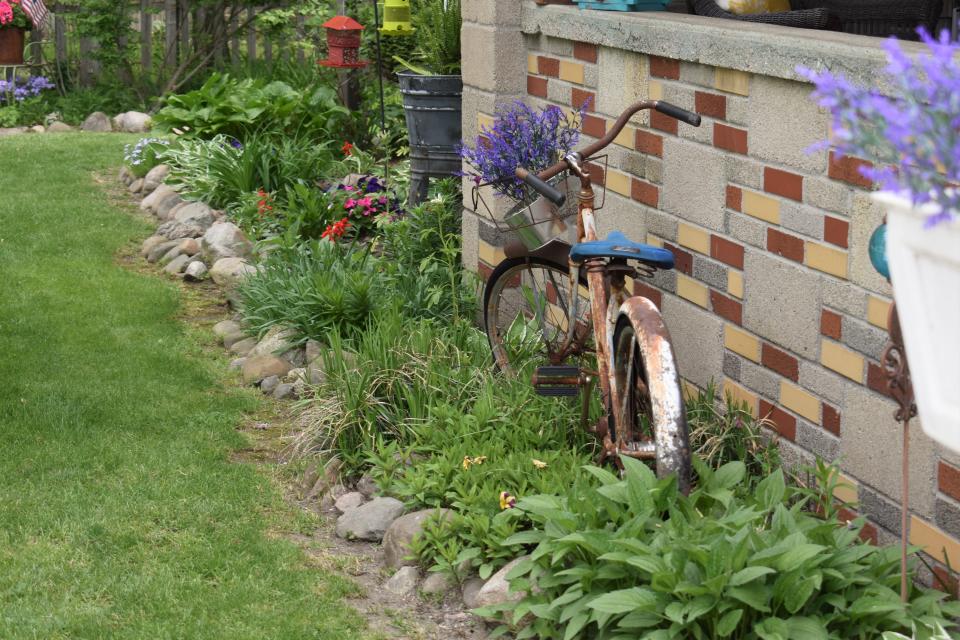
507 501
468 461
539 464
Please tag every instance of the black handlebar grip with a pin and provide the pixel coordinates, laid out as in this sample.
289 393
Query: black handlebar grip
541 187
676 112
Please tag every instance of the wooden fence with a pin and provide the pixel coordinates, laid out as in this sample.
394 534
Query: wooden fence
167 33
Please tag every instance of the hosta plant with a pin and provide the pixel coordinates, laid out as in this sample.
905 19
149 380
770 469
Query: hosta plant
634 558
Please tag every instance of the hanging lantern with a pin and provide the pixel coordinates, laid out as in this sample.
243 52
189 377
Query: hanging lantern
343 43
396 18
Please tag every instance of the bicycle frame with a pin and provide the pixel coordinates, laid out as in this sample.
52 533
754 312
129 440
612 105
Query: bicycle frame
607 305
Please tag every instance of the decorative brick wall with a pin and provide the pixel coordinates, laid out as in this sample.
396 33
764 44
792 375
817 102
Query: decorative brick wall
773 298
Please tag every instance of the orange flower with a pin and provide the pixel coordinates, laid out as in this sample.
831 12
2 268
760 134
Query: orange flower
336 230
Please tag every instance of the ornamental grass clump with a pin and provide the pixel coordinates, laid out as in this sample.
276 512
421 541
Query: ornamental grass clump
911 132
521 137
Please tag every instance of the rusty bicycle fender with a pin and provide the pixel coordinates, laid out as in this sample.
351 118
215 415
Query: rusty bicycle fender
669 415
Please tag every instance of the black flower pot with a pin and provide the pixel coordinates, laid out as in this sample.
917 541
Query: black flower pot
433 106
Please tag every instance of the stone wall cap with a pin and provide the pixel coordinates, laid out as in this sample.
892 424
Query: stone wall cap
763 49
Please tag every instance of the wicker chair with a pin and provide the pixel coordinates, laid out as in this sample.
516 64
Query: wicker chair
882 18
802 17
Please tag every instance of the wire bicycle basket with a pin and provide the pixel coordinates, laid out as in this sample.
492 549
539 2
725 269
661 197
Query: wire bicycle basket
534 219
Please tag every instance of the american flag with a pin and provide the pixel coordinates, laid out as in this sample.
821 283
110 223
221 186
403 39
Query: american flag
37 11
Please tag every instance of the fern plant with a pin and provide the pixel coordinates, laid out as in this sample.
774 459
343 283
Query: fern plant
438 38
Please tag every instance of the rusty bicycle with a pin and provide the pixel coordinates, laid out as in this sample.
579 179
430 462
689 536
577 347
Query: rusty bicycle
567 306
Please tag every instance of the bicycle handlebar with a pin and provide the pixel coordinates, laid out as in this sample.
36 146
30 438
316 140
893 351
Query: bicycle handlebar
538 181
541 187
693 119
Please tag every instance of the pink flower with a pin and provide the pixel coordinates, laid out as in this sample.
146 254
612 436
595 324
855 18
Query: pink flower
350 203
6 13
349 188
382 200
364 202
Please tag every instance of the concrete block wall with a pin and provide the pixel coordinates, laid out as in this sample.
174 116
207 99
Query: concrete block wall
774 298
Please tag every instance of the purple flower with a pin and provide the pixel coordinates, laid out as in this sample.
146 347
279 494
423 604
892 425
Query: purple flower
521 137
911 133
22 88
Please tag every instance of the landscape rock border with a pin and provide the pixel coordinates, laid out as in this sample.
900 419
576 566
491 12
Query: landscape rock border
96 122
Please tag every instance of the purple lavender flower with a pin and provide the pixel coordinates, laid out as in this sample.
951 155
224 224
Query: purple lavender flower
22 88
912 135
521 137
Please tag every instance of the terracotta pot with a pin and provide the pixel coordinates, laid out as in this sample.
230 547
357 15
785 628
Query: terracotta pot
11 45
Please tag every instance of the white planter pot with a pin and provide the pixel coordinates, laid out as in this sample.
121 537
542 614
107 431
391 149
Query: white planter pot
925 273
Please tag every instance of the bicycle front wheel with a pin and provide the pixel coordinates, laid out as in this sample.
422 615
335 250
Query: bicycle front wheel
527 309
651 422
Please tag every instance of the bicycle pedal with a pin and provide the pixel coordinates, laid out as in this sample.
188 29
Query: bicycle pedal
558 381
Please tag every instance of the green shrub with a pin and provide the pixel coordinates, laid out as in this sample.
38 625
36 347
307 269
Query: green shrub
9 116
633 557
424 258
140 158
239 108
223 172
725 433
318 290
438 35
394 138
78 103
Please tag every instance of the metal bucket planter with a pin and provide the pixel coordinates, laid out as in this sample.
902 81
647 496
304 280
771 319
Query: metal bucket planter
432 105
11 45
541 221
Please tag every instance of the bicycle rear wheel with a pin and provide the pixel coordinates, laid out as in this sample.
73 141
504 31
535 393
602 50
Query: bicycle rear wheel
527 305
651 422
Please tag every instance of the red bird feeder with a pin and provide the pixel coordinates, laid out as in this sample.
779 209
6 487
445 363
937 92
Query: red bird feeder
343 43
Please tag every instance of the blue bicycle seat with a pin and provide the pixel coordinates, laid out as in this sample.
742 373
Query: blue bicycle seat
618 245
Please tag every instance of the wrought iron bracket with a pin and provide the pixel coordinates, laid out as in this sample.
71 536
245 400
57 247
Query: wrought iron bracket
897 370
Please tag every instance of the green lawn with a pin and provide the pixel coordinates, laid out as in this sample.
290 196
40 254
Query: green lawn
121 515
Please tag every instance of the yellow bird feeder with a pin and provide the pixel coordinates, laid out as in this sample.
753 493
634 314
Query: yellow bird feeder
396 18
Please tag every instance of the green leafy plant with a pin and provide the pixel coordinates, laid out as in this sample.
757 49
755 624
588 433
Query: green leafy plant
239 108
223 171
438 25
143 156
634 557
424 251
9 116
318 290
302 212
722 433
79 102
